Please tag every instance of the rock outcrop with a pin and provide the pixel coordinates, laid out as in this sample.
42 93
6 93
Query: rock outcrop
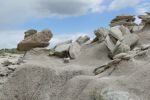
74 50
86 72
40 39
128 21
70 49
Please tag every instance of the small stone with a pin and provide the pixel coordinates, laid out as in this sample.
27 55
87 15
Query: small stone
51 53
66 60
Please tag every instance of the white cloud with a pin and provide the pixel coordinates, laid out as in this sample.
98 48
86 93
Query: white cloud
68 7
142 8
121 4
13 12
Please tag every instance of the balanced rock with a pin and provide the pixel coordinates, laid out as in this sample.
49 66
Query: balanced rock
30 32
40 39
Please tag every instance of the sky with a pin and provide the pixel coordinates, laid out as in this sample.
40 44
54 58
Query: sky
67 19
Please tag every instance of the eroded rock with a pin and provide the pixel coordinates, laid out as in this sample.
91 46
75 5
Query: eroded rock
74 50
40 39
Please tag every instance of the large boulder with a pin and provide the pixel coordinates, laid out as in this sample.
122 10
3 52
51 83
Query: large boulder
124 30
40 39
74 50
116 33
131 39
62 50
101 33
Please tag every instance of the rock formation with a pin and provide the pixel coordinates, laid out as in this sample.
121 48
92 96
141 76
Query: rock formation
145 21
86 71
69 49
40 39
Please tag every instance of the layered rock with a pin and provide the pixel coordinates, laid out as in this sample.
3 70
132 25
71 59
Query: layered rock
40 39
118 39
125 20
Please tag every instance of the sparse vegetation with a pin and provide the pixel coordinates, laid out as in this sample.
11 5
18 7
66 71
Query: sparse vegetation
12 51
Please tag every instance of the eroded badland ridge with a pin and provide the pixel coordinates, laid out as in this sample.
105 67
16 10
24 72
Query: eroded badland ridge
115 65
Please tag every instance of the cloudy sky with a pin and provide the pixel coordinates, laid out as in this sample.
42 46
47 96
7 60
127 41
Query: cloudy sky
65 18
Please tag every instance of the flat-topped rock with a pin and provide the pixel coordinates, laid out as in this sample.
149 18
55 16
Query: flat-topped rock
126 20
40 39
124 17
